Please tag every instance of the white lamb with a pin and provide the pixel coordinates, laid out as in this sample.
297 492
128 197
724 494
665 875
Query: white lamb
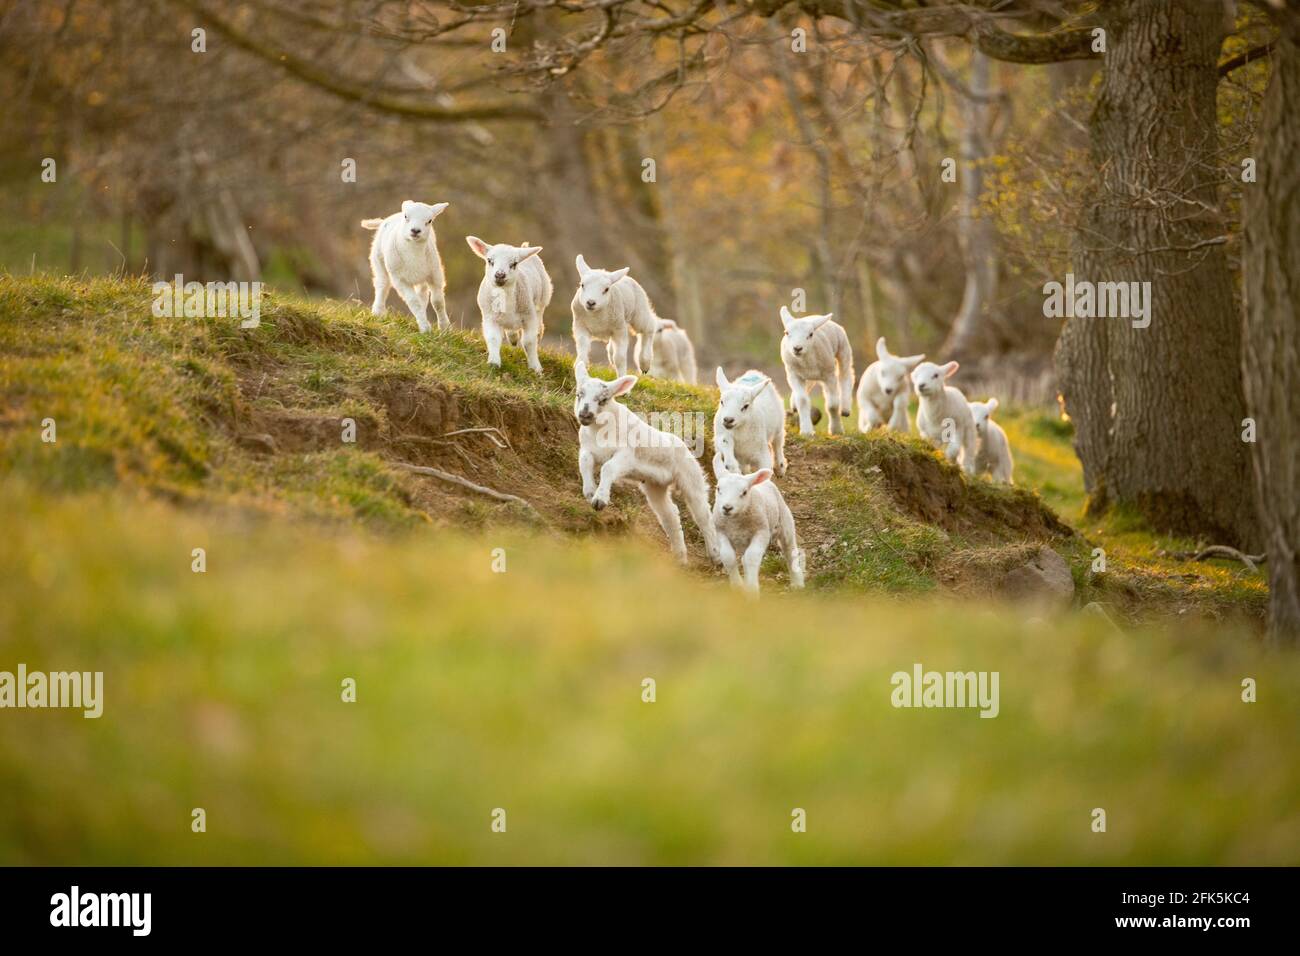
944 416
674 355
404 256
993 454
610 306
512 297
882 393
626 448
816 351
748 513
749 426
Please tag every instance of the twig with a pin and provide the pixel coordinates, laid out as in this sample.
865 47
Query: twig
502 442
1221 551
466 483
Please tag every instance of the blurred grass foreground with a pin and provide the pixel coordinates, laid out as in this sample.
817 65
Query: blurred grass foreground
479 690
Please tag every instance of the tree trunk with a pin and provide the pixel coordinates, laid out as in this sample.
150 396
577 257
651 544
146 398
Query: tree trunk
977 236
1159 410
1271 358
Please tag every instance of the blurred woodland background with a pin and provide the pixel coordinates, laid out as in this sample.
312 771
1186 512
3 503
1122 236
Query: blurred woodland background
918 168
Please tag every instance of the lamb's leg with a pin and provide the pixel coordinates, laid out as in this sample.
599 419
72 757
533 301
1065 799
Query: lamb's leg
834 426
753 559
724 455
610 472
492 336
581 342
799 396
415 301
867 417
618 352
778 449
844 364
697 503
439 300
379 275
898 421
670 519
645 351
968 451
790 548
587 468
728 555
529 341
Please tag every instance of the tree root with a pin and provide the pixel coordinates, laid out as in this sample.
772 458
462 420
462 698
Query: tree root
466 483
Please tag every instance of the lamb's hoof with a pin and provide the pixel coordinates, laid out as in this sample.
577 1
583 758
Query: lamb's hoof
844 414
599 503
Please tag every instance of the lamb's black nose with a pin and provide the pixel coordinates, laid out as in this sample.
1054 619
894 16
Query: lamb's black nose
889 391
726 509
591 303
798 350
729 422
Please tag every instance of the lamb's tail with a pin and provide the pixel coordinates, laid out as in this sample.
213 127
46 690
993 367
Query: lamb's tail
371 223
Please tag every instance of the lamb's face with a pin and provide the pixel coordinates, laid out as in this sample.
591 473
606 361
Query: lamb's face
593 396
736 403
595 287
981 412
417 220
892 376
928 378
501 262
732 497
802 332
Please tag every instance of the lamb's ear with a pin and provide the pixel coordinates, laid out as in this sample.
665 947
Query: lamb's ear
760 476
478 245
623 385
406 206
438 209
912 361
823 319
882 352
992 403
754 392
583 268
530 251
786 317
721 378
580 371
615 276
950 369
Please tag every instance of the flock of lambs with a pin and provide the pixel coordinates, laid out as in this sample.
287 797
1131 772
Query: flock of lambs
749 512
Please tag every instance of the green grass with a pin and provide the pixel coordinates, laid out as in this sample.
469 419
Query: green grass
522 690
